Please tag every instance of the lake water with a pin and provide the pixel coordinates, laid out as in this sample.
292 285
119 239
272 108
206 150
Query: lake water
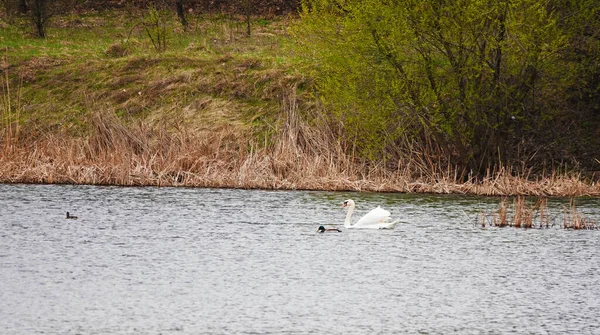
209 261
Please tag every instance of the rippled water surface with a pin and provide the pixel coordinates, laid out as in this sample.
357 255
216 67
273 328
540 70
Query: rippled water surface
204 261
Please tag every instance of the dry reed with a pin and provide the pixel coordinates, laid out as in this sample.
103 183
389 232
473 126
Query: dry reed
533 215
574 219
501 220
11 110
301 156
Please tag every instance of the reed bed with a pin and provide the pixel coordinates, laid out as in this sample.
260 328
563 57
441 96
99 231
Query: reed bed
574 219
113 151
141 154
528 214
115 154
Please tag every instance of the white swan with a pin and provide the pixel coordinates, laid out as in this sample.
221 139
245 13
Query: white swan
377 218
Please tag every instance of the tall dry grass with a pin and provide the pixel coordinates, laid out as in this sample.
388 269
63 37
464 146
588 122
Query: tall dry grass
526 214
301 156
574 219
11 110
138 153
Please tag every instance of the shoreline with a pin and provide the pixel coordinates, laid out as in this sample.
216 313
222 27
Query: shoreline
265 172
114 154
423 189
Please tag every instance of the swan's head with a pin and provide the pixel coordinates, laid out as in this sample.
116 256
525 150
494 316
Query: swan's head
321 229
348 203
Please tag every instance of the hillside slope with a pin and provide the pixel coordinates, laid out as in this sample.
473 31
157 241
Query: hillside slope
95 103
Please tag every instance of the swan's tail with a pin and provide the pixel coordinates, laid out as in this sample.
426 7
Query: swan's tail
390 225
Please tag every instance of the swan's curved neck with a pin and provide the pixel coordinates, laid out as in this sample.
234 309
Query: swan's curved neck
347 223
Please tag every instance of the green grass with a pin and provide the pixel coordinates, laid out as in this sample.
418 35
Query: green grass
90 35
106 59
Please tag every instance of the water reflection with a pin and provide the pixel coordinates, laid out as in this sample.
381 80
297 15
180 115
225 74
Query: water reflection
194 261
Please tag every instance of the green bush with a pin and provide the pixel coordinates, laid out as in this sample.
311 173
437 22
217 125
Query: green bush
475 78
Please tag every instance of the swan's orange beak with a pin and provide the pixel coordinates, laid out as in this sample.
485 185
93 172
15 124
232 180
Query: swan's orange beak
344 205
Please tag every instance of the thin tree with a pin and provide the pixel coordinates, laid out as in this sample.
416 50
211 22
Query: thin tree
22 6
40 16
41 11
248 12
181 13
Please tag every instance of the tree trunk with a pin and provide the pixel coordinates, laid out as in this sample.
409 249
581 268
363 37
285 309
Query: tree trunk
39 17
181 13
247 9
22 6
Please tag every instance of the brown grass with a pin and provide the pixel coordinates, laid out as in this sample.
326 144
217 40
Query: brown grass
160 153
536 214
205 144
501 219
299 157
11 110
574 219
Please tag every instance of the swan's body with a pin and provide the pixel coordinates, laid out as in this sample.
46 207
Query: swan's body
69 216
377 218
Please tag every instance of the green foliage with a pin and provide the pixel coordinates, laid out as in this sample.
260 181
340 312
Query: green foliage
156 29
471 76
581 21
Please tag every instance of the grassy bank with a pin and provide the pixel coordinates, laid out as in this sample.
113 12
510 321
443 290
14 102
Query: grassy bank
95 103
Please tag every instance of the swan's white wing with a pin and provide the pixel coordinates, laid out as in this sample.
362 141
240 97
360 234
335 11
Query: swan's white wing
374 217
381 225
